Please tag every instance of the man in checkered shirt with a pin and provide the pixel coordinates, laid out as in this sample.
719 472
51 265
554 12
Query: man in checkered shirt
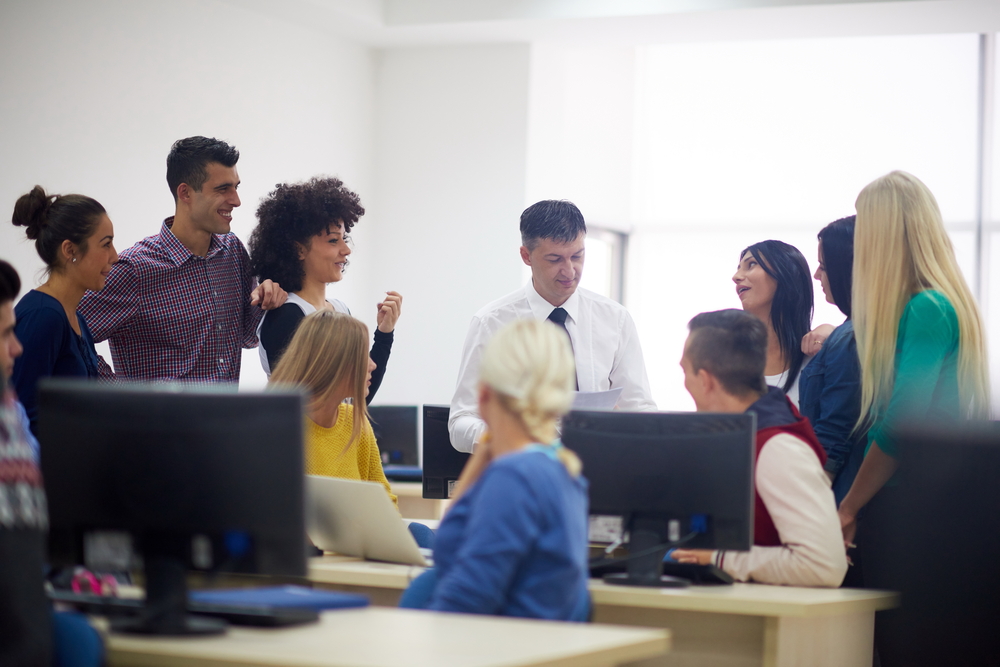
181 304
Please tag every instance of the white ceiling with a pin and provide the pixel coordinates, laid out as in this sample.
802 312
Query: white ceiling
395 23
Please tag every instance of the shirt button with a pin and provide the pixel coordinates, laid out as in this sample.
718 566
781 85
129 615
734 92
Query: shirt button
222 361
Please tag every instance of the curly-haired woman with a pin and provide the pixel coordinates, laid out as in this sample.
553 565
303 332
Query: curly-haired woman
302 242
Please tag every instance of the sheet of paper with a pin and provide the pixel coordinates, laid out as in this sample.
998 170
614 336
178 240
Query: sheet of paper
596 400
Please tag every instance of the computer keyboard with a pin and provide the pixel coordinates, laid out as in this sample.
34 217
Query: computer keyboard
699 575
262 615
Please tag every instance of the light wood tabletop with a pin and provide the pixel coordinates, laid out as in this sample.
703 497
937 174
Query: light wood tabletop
382 637
721 626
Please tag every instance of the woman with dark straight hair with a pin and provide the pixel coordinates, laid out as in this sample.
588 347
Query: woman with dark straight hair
830 386
774 285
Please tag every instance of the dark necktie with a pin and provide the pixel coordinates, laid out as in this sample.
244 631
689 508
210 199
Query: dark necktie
558 316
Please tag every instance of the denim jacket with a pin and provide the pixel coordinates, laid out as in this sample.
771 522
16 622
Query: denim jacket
830 397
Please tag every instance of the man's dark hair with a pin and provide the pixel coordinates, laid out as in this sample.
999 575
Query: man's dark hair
289 216
10 283
557 220
188 158
838 260
731 345
792 305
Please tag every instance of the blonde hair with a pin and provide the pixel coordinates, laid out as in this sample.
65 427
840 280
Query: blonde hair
530 366
328 352
900 249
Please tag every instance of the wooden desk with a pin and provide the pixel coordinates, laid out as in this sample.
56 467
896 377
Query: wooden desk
413 505
376 636
743 624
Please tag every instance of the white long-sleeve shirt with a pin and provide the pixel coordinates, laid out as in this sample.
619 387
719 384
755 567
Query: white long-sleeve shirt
797 494
605 346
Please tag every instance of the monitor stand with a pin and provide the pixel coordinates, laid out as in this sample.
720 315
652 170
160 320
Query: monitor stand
165 610
646 570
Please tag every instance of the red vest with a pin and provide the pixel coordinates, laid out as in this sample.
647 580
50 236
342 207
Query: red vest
764 532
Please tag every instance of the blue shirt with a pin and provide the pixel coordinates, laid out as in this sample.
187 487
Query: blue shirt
516 543
51 348
830 397
22 418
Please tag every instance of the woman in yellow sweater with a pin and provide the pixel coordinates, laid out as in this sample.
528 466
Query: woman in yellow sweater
328 357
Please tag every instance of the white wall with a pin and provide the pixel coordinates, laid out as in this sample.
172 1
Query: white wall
451 137
93 95
580 134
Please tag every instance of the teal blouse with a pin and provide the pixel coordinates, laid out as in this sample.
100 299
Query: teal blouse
926 384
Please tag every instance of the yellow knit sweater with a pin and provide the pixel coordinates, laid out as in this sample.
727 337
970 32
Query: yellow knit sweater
325 451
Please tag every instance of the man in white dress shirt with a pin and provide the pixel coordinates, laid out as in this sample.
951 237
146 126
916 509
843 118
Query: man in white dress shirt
602 333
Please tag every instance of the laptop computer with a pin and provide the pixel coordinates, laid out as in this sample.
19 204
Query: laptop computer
356 518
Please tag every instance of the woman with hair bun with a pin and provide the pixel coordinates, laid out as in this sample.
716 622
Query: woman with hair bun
774 285
75 238
514 540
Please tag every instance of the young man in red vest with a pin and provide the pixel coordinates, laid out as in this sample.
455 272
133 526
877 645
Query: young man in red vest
797 538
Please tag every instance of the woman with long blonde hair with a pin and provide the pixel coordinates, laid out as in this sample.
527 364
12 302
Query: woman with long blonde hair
514 541
919 332
920 342
328 357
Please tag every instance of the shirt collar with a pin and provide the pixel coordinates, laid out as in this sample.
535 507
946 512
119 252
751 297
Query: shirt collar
178 252
541 308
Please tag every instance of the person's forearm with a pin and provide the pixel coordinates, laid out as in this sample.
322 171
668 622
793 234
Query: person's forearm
464 430
381 348
788 565
877 468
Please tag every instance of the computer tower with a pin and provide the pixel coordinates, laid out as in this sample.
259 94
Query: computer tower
442 462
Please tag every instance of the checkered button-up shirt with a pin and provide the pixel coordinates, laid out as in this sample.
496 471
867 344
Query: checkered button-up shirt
172 315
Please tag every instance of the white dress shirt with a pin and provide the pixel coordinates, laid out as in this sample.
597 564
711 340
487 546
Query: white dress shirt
797 494
605 346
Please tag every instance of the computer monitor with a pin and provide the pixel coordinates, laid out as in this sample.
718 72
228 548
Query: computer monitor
933 535
442 462
673 477
186 477
396 432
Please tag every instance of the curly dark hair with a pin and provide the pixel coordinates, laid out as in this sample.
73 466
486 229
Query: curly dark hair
292 214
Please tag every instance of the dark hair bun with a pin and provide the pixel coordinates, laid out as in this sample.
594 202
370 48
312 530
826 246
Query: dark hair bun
31 211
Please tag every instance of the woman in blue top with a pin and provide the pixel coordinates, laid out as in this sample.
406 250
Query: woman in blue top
514 541
74 237
830 385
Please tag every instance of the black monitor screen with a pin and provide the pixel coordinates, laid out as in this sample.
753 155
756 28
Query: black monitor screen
205 477
395 428
945 492
695 470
